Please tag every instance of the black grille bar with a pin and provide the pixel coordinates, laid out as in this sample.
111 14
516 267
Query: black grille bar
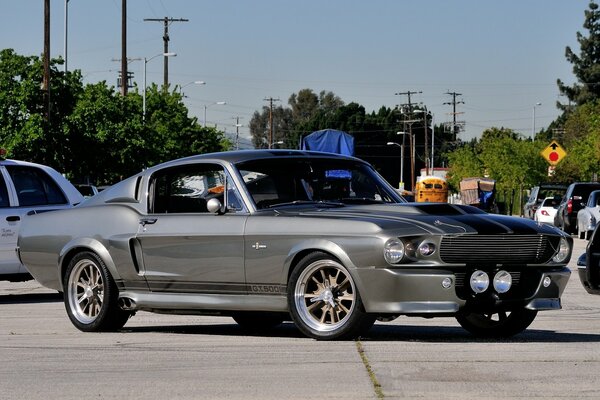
498 249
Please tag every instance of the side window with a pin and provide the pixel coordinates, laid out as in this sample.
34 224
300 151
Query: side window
187 189
3 193
34 187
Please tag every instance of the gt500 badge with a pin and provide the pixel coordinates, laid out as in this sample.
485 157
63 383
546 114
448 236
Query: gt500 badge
269 289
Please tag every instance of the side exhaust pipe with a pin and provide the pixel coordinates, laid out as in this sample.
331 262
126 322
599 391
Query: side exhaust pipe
127 304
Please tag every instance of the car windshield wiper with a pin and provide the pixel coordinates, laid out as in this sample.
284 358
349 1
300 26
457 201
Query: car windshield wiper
308 202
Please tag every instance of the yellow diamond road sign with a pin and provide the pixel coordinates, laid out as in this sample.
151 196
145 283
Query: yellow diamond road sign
553 153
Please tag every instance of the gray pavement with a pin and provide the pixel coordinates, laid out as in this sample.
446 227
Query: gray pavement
42 356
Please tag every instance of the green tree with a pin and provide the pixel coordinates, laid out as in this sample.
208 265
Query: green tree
282 126
463 163
26 131
582 143
586 65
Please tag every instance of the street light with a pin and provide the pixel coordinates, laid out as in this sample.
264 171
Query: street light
146 61
192 83
220 103
401 183
533 121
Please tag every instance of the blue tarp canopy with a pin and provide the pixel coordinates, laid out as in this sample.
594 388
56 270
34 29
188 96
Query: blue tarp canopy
330 141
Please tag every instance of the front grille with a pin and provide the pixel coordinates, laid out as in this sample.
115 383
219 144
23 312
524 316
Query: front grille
498 249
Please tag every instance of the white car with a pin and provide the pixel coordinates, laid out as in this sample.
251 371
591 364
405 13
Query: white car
588 216
547 210
27 188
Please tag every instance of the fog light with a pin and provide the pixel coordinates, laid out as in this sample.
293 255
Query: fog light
447 283
547 281
480 281
502 281
426 249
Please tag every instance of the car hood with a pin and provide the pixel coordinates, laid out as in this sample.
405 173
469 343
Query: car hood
431 218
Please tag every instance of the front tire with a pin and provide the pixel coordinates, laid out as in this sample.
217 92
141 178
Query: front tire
323 299
255 321
501 324
91 295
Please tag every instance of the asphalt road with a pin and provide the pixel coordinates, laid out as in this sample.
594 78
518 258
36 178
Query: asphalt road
42 356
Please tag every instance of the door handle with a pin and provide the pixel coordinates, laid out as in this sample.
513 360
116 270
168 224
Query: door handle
13 218
148 221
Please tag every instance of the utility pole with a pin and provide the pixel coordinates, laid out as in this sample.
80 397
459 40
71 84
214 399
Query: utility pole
270 100
455 125
46 79
124 83
166 39
411 140
237 133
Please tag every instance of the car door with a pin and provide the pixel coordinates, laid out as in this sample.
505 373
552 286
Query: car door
23 189
185 248
9 223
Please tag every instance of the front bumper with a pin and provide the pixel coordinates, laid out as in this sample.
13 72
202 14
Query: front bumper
420 292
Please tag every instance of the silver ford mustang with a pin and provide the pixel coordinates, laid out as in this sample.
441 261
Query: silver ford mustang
265 236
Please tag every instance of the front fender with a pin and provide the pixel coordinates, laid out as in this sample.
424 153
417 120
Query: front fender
363 246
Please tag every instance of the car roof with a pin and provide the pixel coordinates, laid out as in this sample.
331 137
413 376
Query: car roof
238 156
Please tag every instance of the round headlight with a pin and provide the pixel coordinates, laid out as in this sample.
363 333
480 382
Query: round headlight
426 249
502 281
393 251
563 251
480 281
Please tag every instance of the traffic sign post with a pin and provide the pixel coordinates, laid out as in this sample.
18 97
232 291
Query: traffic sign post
553 153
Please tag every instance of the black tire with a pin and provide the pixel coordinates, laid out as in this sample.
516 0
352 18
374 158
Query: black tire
501 324
91 295
323 300
580 234
256 321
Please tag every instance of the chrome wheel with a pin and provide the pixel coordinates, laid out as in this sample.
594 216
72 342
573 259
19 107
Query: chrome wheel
86 291
325 295
324 301
91 295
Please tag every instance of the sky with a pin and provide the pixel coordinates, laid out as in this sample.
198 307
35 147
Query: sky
503 57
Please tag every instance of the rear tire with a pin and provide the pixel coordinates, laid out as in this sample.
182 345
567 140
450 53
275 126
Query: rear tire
91 295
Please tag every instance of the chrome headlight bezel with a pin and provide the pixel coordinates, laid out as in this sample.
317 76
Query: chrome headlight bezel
394 251
563 251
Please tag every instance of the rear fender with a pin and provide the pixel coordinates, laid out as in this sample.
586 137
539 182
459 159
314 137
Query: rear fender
79 245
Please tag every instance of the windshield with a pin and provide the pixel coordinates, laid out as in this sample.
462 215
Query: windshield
322 181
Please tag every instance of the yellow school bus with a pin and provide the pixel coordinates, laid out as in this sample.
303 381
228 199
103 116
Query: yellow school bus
431 189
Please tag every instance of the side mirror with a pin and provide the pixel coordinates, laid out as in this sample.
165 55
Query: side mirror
214 206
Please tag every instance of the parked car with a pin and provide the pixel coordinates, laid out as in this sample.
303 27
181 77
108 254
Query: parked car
588 264
27 188
265 236
588 215
547 210
86 190
574 200
539 193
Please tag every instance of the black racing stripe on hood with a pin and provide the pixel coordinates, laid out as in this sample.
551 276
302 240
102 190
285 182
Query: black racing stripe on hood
489 224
